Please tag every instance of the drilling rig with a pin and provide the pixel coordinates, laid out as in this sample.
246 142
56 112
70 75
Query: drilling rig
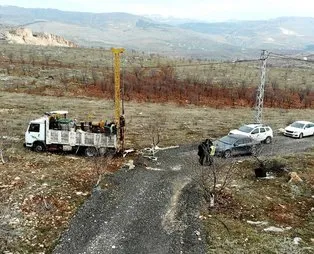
54 131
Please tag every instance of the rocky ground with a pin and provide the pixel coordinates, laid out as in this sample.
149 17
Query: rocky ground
26 36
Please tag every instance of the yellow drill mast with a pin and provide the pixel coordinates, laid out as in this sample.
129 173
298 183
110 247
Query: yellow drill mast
117 89
119 118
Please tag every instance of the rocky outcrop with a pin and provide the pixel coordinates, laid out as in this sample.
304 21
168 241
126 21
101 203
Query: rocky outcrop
26 36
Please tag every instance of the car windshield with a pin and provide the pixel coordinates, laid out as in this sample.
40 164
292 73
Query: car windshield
297 125
246 129
228 140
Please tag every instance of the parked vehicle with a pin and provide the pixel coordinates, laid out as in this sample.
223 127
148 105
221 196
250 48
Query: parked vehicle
235 144
258 132
55 132
299 129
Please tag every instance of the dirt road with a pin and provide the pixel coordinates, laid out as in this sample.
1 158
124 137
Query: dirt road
153 208
149 209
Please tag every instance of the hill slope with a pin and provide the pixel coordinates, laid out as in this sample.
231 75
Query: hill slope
226 40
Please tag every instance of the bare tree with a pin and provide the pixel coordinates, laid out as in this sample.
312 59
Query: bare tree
94 76
64 81
4 141
47 58
22 58
11 56
214 179
155 132
101 165
1 156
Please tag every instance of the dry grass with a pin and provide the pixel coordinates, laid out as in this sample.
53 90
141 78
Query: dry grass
37 63
40 192
179 124
275 202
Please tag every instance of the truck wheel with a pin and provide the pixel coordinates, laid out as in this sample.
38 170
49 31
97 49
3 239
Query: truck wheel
39 147
91 151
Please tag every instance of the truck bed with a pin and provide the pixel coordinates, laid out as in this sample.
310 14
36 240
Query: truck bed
81 138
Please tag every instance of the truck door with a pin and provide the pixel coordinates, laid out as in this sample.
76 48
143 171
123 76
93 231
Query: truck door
35 132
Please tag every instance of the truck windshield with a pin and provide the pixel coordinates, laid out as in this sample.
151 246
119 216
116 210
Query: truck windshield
33 127
246 129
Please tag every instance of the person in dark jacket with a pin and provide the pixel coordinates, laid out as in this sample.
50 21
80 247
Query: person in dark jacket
204 151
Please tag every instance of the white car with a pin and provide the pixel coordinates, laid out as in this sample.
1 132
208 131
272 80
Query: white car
258 132
299 129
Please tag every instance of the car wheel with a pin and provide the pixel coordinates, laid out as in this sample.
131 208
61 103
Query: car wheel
268 140
301 135
39 147
91 152
227 154
253 150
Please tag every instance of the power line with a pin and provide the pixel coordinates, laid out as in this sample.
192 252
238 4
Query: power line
193 64
304 59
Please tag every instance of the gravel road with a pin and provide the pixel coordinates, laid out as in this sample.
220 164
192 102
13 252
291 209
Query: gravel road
153 208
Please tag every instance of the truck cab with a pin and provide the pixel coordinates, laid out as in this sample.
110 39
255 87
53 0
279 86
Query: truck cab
35 134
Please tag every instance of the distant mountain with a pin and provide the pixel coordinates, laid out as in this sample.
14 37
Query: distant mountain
169 20
289 33
175 37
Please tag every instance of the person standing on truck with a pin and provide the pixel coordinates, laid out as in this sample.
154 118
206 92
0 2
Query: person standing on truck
52 122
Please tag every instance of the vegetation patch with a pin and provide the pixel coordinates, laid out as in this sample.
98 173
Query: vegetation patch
264 215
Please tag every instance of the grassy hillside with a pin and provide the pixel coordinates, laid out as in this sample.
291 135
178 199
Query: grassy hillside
39 193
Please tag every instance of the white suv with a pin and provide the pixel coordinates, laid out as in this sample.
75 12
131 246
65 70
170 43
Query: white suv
258 132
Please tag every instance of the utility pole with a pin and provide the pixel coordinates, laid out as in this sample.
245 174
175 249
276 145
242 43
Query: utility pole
261 89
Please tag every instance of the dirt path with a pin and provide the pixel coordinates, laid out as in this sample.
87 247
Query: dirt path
152 208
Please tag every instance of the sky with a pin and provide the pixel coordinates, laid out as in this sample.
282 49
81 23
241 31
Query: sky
207 10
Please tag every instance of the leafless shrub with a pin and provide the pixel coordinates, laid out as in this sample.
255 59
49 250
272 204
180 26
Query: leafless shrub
215 179
101 166
11 56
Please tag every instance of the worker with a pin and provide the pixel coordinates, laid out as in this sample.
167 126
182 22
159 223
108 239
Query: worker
52 122
203 151
206 151
212 150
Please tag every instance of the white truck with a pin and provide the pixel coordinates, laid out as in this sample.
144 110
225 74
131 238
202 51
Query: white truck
55 132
